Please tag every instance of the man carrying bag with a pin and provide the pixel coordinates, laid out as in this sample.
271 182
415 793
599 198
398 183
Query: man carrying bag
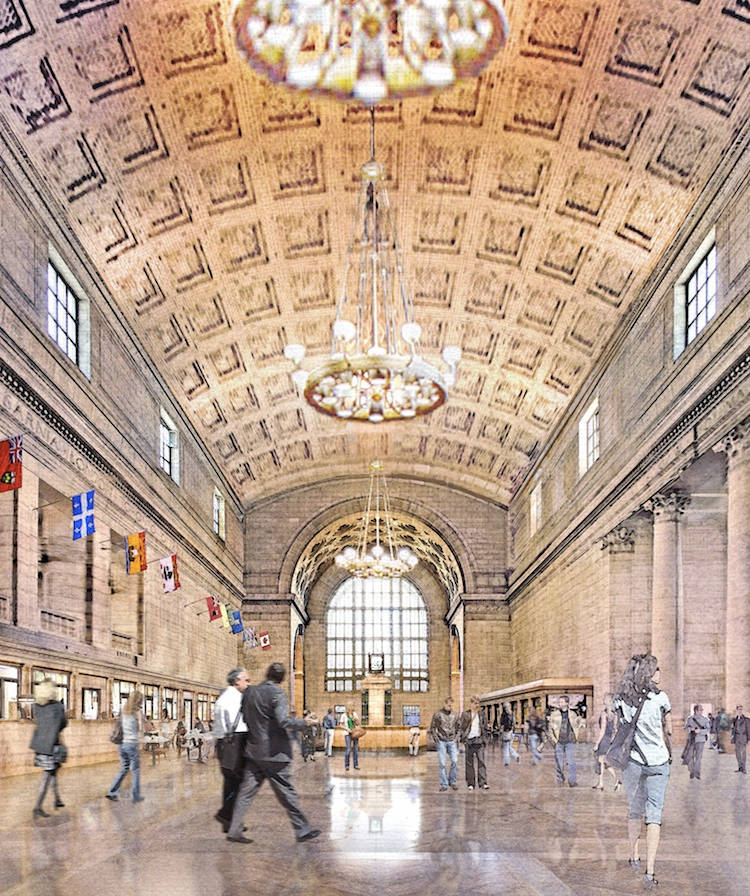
230 731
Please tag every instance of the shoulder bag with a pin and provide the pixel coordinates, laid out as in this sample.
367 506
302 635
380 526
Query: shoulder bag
618 753
116 734
59 753
230 748
357 732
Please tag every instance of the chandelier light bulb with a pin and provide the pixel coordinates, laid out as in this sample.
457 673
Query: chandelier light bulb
411 331
344 330
299 378
294 352
451 355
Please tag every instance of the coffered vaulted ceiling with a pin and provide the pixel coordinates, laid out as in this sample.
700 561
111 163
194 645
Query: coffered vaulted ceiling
532 204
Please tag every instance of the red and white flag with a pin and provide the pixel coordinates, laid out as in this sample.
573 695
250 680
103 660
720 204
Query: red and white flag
170 578
214 610
264 639
11 466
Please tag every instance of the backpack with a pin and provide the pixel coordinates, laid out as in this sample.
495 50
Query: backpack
116 735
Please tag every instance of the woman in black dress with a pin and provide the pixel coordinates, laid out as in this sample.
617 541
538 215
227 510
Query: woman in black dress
607 728
49 714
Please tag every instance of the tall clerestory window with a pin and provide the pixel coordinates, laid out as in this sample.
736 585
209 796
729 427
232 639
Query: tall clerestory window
385 616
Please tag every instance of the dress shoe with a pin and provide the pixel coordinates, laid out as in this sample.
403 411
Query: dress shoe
239 839
111 796
454 786
59 804
310 835
40 813
138 799
572 784
443 789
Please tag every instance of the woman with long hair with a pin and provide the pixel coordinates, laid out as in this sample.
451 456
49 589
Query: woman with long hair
49 714
130 758
647 773
607 728
349 720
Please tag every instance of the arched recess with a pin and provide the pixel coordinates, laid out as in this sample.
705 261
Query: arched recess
457 668
298 671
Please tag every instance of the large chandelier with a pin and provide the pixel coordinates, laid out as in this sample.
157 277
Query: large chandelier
375 371
369 50
375 555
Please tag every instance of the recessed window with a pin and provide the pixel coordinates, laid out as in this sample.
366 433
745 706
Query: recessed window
169 447
121 690
588 438
385 616
219 515
68 313
8 692
696 297
90 702
61 679
535 508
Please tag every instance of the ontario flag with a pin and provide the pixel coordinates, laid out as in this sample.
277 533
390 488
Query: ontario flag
11 456
264 639
170 579
135 553
235 621
83 514
214 608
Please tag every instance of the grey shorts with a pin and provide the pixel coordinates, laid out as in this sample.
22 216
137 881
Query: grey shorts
646 786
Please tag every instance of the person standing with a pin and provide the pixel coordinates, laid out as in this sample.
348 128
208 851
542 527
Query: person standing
444 730
268 753
329 726
564 727
507 730
131 719
414 735
49 715
474 731
647 773
740 736
535 731
228 720
697 726
607 728
348 721
307 739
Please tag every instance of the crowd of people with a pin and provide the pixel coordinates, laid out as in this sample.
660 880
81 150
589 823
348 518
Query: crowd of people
254 732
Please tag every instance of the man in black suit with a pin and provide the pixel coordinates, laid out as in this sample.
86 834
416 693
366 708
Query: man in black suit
740 737
268 753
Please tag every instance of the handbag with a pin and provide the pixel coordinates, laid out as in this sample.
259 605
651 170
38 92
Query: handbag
231 748
357 732
618 752
59 753
116 734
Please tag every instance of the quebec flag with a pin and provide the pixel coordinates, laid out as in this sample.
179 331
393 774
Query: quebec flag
83 514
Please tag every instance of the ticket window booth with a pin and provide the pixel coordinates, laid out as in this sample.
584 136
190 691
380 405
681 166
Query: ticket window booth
542 695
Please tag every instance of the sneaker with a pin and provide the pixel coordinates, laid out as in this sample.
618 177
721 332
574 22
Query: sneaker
649 882
572 784
240 839
485 786
111 796
443 789
454 786
635 865
138 799
470 787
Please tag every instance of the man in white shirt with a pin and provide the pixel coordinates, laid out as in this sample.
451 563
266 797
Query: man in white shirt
228 720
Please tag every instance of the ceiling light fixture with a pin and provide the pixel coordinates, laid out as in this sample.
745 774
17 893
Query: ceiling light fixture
375 371
373 557
368 50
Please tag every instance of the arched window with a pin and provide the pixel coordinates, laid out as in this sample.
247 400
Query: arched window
385 616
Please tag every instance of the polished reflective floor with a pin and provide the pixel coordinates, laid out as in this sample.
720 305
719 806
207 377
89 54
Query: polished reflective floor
386 829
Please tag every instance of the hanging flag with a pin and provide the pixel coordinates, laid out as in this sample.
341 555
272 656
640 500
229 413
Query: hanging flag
214 609
135 553
11 468
249 638
170 578
236 622
224 615
83 514
264 639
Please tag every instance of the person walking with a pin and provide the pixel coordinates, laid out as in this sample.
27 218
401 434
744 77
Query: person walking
131 719
699 729
268 753
507 730
444 731
348 721
535 732
329 726
228 722
49 715
647 773
474 731
564 727
607 728
740 736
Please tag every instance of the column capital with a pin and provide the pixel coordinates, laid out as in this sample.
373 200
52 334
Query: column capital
667 506
735 444
620 540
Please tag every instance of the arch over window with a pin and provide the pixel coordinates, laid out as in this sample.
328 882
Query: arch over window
385 616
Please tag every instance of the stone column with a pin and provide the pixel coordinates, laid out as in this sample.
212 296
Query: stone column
667 610
736 445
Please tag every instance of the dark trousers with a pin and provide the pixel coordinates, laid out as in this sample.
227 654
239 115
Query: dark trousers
475 752
694 761
740 751
229 793
279 777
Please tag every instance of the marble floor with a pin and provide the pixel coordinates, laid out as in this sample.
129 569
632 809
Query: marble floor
386 829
